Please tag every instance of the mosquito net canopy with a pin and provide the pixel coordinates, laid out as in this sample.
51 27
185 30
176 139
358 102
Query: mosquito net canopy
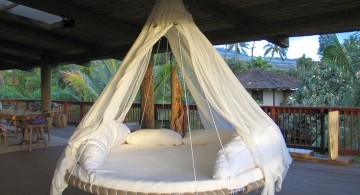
222 101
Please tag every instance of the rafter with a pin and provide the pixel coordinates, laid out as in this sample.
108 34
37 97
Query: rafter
26 48
12 58
238 17
64 10
221 11
30 31
302 26
114 52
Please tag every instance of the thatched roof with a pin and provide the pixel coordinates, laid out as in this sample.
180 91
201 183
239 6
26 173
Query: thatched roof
254 79
98 29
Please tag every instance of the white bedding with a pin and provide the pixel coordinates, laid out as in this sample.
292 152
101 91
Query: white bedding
165 169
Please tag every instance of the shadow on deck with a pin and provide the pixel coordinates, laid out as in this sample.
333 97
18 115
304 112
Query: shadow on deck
31 174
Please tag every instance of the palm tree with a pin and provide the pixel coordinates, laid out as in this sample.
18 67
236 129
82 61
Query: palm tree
304 64
88 82
275 49
252 49
346 58
239 48
259 62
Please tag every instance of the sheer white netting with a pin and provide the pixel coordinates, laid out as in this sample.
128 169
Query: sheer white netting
214 87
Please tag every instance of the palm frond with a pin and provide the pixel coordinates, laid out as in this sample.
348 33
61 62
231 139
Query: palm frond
80 83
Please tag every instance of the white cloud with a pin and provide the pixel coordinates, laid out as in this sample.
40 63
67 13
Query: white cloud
298 46
308 45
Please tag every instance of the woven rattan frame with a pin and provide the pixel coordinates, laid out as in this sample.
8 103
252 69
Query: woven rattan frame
95 189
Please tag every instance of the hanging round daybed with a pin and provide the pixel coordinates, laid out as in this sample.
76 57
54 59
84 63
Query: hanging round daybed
239 149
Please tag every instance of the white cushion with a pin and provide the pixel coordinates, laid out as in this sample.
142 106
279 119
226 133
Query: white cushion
154 137
206 136
237 159
94 151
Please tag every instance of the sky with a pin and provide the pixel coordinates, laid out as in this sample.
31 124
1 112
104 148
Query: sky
307 45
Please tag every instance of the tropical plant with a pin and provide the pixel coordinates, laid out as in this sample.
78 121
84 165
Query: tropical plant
322 86
236 65
273 49
304 64
259 62
88 82
239 48
345 57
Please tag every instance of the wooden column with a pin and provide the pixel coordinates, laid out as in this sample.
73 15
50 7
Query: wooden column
147 97
333 135
177 111
46 87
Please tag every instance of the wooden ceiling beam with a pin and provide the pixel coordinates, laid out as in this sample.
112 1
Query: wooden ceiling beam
282 41
114 52
12 58
30 31
26 48
238 17
64 10
340 21
12 66
221 11
7 62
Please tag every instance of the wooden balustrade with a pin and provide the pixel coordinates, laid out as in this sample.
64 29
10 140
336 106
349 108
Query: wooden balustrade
302 127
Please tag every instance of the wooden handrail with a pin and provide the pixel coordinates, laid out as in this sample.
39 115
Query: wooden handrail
302 126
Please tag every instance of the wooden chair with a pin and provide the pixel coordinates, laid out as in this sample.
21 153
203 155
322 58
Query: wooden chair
3 134
15 125
34 127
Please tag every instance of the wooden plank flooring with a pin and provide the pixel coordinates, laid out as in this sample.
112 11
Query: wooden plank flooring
24 173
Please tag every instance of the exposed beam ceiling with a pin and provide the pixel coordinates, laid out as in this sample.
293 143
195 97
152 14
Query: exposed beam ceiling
43 35
338 21
26 48
61 9
107 29
238 17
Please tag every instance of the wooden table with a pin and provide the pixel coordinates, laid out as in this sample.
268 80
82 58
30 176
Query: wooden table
18 115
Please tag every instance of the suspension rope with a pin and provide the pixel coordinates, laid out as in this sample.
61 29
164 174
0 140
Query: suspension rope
188 117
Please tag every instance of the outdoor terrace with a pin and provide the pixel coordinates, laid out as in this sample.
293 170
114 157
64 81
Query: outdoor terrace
302 127
31 174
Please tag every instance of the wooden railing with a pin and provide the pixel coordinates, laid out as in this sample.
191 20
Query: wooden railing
302 127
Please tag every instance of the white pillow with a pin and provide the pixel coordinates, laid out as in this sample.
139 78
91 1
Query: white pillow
236 160
96 148
154 137
206 136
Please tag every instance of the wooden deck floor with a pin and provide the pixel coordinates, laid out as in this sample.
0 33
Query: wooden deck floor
24 173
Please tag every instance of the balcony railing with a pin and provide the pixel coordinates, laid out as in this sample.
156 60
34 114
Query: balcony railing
302 127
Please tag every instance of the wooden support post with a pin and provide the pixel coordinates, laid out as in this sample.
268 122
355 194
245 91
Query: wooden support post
333 135
177 111
46 88
147 98
322 130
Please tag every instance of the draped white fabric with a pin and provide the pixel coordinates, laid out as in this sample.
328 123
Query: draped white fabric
217 92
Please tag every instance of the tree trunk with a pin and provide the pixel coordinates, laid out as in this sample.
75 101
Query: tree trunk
252 50
147 98
177 111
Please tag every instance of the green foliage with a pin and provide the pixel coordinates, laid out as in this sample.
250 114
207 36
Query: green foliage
239 48
236 65
259 62
9 92
322 86
88 82
346 58
273 49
